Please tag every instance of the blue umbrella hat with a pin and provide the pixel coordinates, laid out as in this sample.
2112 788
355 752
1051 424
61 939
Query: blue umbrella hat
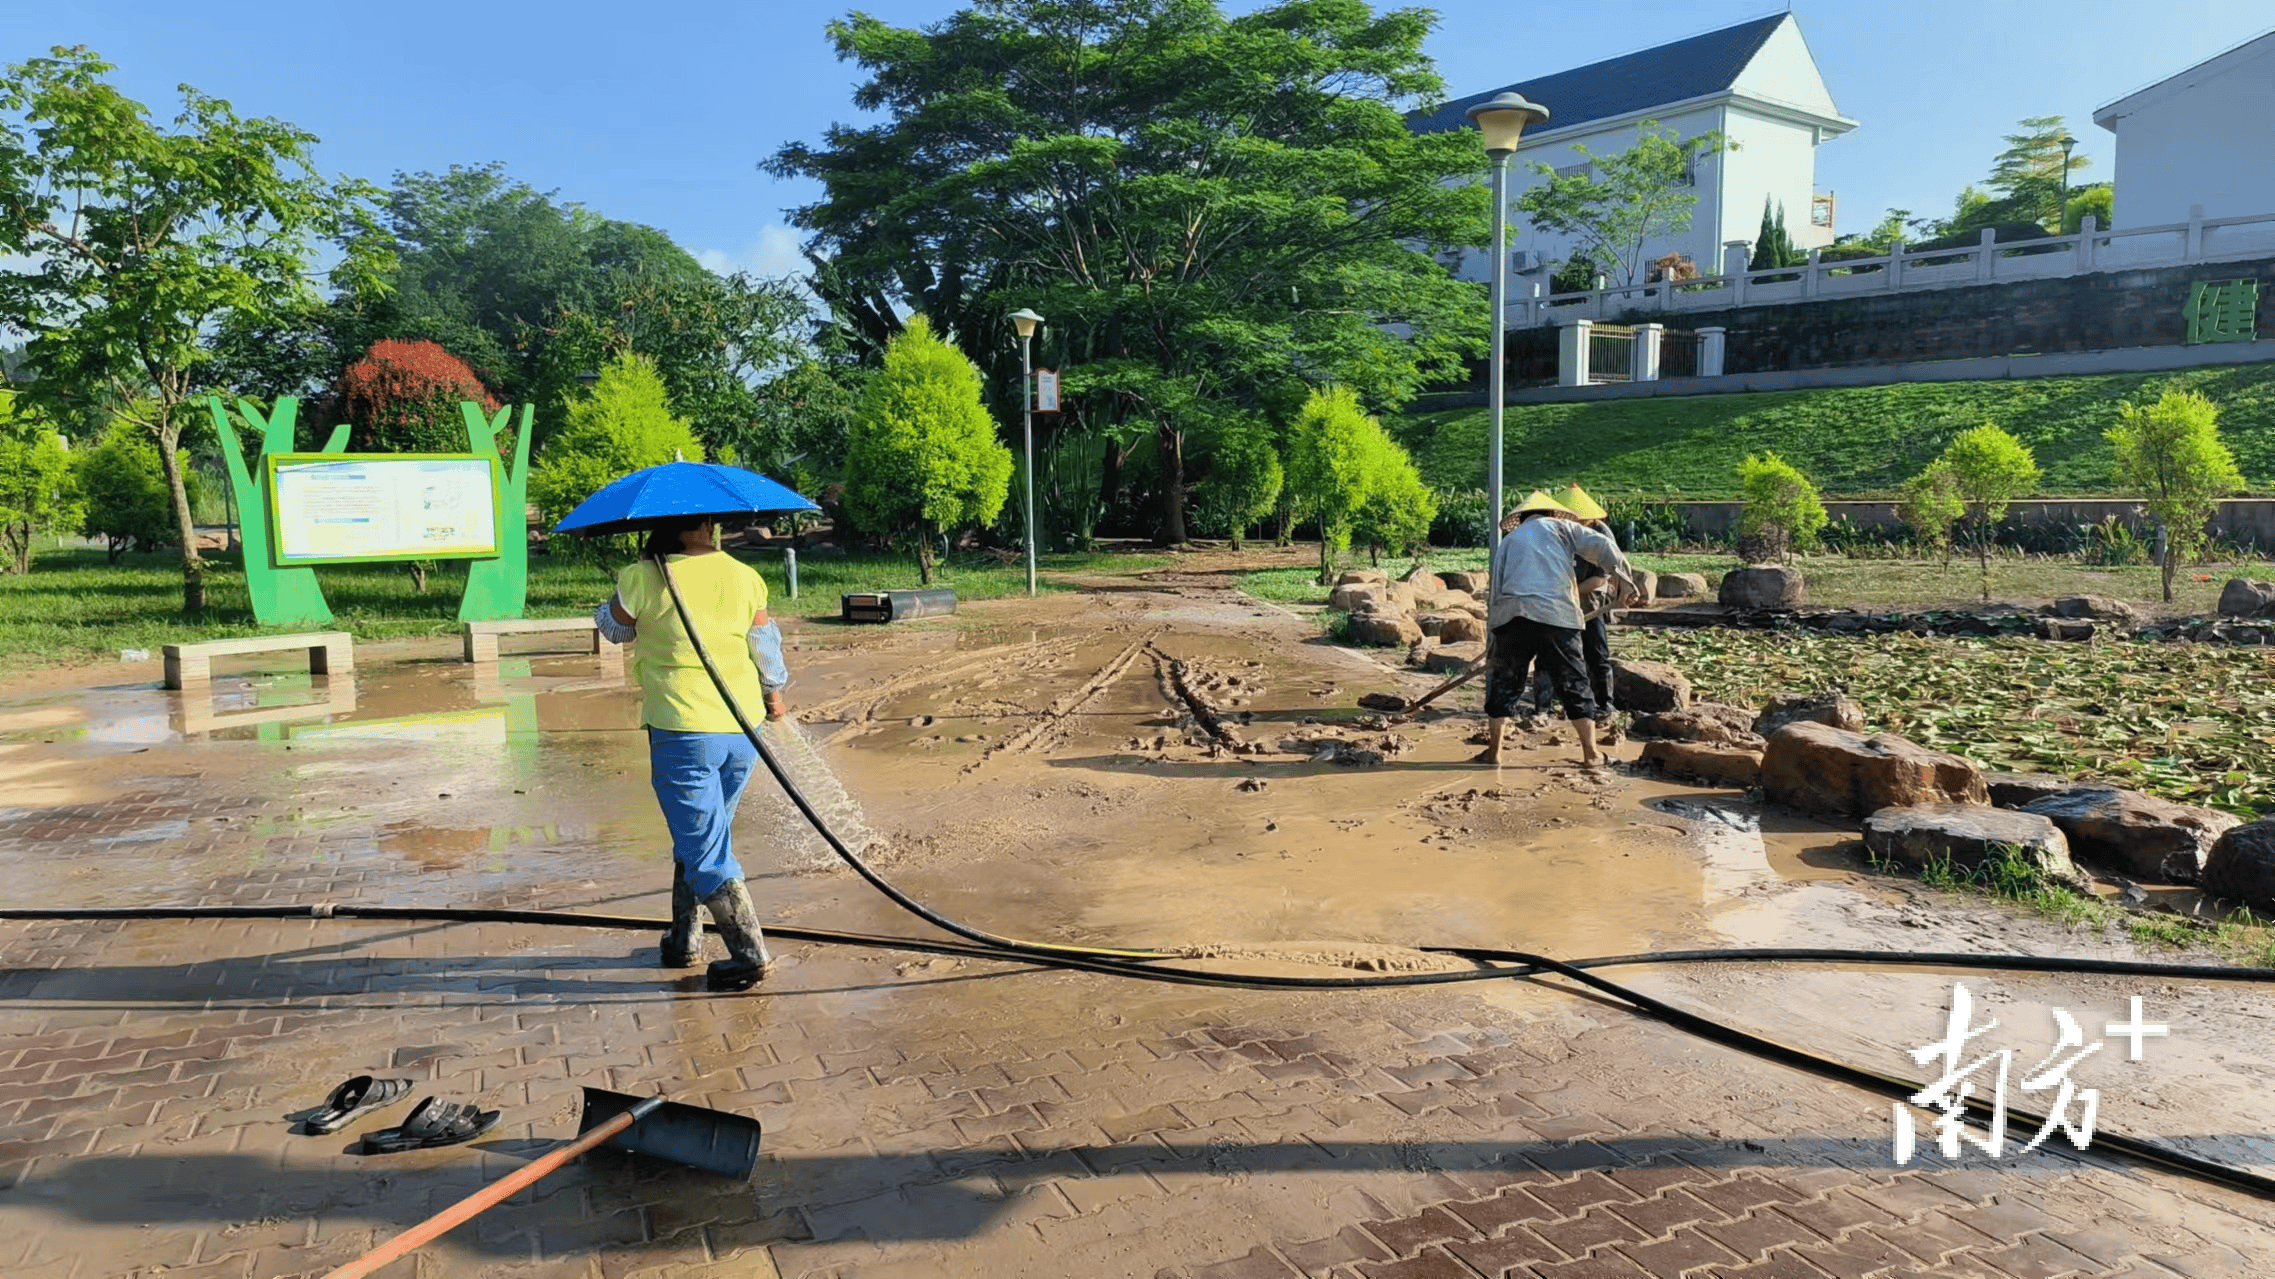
677 490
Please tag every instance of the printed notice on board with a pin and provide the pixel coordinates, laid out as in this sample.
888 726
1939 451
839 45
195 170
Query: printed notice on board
402 508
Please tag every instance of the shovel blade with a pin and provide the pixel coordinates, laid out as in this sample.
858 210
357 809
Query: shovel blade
713 1141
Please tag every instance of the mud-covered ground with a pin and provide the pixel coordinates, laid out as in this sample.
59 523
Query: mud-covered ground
1155 762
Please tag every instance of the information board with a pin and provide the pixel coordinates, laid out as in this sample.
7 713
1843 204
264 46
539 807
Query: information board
1046 390
333 508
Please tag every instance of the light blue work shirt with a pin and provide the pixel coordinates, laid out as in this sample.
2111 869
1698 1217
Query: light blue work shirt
1532 571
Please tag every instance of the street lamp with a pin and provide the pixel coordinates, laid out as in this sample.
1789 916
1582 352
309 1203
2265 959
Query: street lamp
2062 227
1024 319
1502 119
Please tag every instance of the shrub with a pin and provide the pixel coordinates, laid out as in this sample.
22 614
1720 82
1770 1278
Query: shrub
124 490
1989 468
623 425
922 455
402 397
1782 510
2171 454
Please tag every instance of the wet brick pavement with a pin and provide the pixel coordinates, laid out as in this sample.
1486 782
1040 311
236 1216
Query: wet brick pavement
919 1124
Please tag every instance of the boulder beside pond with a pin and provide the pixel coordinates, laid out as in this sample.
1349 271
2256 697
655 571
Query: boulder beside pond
1966 836
1709 722
1705 762
2019 790
1763 587
2138 835
2243 598
1817 768
1680 586
2241 866
1830 706
1645 687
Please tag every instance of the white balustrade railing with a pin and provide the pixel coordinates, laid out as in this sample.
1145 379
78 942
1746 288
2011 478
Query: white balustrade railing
1907 270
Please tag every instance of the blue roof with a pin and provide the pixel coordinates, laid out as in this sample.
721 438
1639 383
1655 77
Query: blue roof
1674 72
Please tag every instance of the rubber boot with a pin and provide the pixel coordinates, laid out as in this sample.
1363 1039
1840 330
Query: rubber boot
684 939
746 962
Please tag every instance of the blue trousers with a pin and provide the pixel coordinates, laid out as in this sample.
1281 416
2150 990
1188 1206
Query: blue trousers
699 778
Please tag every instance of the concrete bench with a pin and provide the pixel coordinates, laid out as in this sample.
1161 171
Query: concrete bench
329 653
482 637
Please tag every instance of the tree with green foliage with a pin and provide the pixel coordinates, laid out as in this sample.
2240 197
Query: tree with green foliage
1782 510
2170 453
1216 211
1621 202
38 494
2025 185
136 239
123 491
2098 201
922 457
1989 468
1399 508
1773 246
1339 457
1932 505
1244 478
624 425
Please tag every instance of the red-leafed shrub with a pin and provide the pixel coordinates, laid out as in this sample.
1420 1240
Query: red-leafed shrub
402 397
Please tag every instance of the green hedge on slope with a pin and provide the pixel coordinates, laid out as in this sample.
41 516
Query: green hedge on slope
1860 441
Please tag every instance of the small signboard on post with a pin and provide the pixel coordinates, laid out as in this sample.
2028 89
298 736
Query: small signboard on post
341 508
1046 390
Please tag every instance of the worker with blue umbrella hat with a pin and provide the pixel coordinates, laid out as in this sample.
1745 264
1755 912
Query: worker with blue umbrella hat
709 658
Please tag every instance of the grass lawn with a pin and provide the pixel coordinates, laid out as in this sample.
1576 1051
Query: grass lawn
1852 441
1839 582
73 606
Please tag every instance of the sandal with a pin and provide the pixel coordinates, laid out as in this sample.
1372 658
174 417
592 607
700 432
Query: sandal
358 1094
434 1122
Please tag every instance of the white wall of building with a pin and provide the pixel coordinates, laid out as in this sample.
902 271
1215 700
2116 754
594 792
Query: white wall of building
1774 159
2200 138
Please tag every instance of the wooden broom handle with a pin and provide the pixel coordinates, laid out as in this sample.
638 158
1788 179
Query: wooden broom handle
467 1209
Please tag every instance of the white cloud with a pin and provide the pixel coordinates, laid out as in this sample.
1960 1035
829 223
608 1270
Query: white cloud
773 253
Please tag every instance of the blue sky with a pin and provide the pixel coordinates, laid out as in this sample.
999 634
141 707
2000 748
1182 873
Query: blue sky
659 113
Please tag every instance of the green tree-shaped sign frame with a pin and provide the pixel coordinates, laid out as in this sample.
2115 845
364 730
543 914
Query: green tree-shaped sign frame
496 588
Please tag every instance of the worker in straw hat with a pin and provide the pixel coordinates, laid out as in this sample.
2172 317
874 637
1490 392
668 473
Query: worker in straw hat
1595 630
1535 617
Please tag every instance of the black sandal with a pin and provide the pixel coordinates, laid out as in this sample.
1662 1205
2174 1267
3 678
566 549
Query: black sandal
434 1122
359 1094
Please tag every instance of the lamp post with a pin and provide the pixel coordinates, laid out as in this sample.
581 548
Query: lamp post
1024 319
2062 225
1502 120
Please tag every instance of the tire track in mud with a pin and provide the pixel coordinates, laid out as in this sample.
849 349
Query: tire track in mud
1048 727
1170 671
863 704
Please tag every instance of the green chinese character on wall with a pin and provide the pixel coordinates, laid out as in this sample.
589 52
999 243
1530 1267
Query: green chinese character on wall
2223 311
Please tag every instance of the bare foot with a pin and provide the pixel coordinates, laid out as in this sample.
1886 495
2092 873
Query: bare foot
1487 757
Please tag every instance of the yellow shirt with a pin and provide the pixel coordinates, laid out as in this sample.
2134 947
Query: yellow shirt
722 596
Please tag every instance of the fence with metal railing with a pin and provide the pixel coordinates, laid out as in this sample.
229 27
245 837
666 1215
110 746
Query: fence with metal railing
1611 353
1904 270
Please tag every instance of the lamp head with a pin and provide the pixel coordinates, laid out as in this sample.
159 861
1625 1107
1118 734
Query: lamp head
1024 319
1503 117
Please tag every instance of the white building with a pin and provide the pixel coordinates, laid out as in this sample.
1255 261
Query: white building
2199 138
1756 83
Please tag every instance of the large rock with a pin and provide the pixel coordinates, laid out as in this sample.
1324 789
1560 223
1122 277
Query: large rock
1966 836
1397 597
1362 577
1357 597
1462 628
1829 706
2140 835
2020 790
1647 582
1708 722
1648 686
2241 598
1431 623
2099 607
1453 659
1763 587
2075 630
1463 580
1821 769
2241 866
1383 629
1707 762
1680 586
